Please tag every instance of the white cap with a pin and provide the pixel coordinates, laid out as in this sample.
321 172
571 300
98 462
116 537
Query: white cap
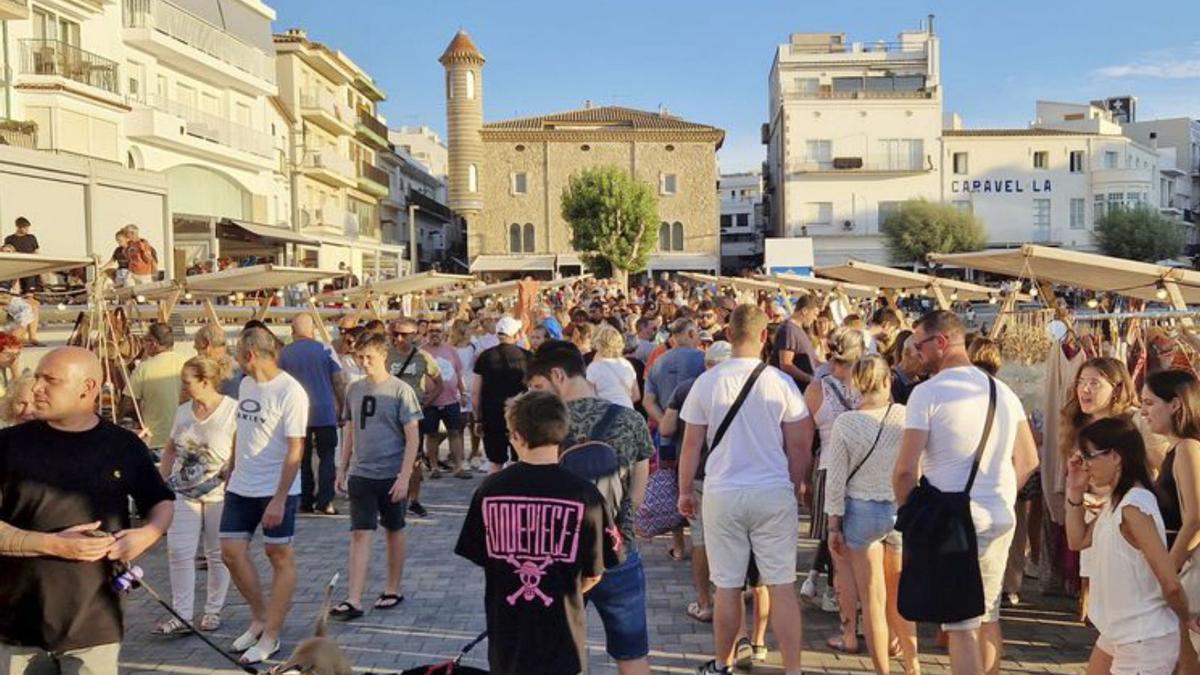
508 326
718 352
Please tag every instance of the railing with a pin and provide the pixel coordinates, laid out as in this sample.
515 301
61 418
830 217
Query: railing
216 128
373 173
25 137
57 58
372 124
794 92
330 216
318 99
321 159
899 166
199 34
878 47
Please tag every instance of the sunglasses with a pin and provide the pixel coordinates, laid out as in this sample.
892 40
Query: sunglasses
1089 455
404 333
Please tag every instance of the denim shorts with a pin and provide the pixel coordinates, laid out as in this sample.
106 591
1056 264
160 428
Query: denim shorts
867 521
242 516
620 598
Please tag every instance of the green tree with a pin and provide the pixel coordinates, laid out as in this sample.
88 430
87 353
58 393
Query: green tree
1139 233
612 217
920 227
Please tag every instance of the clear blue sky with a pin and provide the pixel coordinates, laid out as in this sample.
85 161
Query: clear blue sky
708 61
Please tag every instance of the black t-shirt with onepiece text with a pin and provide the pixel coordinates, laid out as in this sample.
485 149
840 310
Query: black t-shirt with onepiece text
537 531
51 480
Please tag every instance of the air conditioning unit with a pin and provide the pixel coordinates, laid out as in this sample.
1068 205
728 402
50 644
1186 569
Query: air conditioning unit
847 162
847 225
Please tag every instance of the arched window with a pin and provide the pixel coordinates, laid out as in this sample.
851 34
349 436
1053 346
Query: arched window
470 84
677 236
514 238
472 178
664 237
529 237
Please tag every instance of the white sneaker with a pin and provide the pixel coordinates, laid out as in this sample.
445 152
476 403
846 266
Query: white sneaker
808 589
829 601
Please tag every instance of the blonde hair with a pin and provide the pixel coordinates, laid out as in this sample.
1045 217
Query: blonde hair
609 343
846 345
208 370
984 353
8 404
460 333
871 375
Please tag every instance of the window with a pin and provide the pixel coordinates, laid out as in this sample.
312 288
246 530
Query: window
726 220
886 209
1041 220
520 183
806 85
818 214
904 154
960 163
470 84
667 183
819 152
1077 213
472 178
449 85
1116 200
1111 158
529 237
1098 208
963 205
1076 161
677 236
514 238
68 32
743 219
664 236
1041 159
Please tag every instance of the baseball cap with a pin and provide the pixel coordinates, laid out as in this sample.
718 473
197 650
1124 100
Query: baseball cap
718 352
508 326
706 336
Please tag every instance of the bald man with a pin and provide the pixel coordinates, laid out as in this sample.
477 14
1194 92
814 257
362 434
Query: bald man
72 473
316 367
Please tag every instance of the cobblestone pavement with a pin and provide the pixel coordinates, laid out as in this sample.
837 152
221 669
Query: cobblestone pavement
444 610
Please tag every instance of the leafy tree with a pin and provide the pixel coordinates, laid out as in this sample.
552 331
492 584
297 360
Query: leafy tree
613 218
1139 233
920 227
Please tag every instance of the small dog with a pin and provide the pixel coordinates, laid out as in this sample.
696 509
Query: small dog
318 655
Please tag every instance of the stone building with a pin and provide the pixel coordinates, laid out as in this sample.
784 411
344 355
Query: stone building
507 177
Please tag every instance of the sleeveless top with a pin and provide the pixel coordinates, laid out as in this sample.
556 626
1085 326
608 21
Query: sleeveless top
1168 497
836 398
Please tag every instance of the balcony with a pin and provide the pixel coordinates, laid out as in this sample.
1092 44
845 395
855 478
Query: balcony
17 134
843 165
183 128
371 130
330 219
57 59
1123 177
330 168
373 180
830 95
174 34
324 110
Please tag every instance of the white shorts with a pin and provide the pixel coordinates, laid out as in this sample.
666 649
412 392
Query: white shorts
1155 656
993 559
737 522
696 527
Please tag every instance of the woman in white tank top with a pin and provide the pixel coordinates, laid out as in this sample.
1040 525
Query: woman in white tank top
1136 601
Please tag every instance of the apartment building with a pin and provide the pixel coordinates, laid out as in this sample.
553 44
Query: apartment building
1178 140
425 146
742 221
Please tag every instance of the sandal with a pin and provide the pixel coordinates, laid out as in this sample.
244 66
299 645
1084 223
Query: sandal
246 640
837 644
210 622
345 612
703 615
760 652
894 649
257 654
171 628
677 556
388 600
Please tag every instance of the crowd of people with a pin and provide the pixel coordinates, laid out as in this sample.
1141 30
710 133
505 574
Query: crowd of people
591 415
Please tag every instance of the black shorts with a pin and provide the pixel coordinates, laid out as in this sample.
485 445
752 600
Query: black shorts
497 448
434 416
370 504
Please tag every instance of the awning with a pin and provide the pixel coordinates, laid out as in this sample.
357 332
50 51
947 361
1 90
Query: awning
683 261
804 283
1088 271
17 265
255 278
413 283
269 232
890 278
513 263
510 287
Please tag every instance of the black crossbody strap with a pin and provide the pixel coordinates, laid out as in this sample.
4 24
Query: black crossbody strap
606 421
882 424
407 361
737 404
987 431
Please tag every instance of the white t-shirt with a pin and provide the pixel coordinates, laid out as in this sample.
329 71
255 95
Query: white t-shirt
751 455
952 406
202 449
269 413
614 379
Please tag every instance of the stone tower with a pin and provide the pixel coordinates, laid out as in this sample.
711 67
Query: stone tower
464 122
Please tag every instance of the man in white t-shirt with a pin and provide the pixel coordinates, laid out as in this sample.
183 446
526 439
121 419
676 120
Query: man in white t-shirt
945 418
264 487
753 481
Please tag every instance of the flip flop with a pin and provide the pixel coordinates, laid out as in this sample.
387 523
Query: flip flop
388 600
838 645
677 556
246 641
345 612
702 615
257 654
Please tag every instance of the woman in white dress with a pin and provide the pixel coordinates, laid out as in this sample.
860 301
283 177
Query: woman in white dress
610 372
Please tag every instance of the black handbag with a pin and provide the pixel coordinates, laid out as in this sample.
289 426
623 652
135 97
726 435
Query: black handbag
940 581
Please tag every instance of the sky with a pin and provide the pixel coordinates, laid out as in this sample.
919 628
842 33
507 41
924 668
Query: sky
708 61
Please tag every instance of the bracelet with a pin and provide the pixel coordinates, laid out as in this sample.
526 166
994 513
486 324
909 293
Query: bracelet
1075 504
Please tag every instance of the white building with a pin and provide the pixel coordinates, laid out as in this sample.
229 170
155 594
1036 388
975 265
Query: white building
1179 186
425 146
742 221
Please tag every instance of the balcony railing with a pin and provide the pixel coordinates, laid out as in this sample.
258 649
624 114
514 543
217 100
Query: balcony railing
372 124
191 30
319 99
373 173
329 160
57 58
878 47
216 128
876 166
828 94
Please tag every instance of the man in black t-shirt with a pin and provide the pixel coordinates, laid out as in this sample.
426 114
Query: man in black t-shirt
543 537
24 242
66 468
499 375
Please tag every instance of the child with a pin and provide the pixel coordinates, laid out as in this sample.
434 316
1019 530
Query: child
543 538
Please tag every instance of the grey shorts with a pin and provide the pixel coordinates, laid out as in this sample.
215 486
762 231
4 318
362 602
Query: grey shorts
371 505
740 522
993 559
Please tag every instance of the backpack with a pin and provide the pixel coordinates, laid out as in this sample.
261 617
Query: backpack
142 257
597 462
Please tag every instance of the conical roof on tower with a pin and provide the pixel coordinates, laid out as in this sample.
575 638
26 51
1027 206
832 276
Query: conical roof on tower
461 49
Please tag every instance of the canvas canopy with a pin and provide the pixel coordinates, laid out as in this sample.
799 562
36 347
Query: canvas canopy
803 283
510 287
413 283
233 280
888 278
17 265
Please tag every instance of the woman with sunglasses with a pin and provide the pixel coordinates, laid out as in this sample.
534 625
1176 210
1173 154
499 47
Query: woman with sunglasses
1137 602
1171 406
